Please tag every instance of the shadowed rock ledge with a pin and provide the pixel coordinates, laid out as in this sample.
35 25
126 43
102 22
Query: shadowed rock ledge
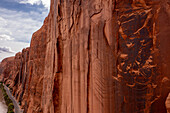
95 56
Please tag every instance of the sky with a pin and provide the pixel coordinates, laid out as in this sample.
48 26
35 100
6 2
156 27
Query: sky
19 19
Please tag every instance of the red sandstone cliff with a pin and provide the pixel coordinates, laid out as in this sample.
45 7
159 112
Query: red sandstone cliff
95 56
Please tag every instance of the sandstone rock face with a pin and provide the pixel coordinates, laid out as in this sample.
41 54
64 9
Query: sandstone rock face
13 73
7 62
96 56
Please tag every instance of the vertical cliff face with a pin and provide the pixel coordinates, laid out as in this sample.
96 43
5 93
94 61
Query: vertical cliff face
14 72
32 97
96 56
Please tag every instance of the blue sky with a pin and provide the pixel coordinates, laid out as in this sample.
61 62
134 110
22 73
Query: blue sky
19 19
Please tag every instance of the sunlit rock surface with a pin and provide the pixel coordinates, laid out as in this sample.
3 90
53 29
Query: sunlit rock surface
96 56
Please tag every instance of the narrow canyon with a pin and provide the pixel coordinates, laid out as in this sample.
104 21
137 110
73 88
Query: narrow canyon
95 56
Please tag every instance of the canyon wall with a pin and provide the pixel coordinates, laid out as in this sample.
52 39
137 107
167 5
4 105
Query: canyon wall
95 56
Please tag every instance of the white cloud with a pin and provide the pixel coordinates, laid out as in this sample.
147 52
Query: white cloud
16 29
6 49
38 2
2 21
5 37
14 48
19 25
46 3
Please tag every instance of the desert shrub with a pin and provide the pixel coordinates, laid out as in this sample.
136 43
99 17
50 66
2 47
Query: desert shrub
10 107
8 101
5 96
10 112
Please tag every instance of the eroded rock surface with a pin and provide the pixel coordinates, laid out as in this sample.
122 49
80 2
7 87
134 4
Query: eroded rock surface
96 56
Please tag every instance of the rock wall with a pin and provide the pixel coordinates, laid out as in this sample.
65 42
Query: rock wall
13 73
96 56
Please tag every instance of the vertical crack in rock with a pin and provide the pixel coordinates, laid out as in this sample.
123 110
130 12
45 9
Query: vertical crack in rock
20 72
58 74
72 16
79 77
71 79
88 72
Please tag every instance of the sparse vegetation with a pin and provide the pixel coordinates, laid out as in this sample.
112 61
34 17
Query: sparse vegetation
10 112
7 100
10 108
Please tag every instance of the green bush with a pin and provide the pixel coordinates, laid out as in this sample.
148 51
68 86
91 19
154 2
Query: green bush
10 112
10 107
5 96
7 100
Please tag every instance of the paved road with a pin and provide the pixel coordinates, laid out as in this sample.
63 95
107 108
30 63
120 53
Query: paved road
16 105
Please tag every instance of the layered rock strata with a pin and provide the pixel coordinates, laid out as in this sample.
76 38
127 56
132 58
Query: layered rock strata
96 56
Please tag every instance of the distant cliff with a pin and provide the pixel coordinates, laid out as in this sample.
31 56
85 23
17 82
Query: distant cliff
95 56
